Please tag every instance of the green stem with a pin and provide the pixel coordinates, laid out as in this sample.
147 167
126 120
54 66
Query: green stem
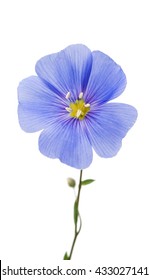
77 231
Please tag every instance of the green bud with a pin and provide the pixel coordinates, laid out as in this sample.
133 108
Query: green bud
71 182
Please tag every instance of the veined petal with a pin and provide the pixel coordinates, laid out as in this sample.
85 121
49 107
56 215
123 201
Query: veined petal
67 141
107 127
38 105
66 71
107 79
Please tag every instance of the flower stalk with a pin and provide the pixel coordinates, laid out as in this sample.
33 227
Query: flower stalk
77 218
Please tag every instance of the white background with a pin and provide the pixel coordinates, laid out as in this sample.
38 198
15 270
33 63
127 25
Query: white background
36 206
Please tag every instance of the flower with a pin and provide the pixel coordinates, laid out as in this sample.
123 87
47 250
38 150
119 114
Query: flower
69 101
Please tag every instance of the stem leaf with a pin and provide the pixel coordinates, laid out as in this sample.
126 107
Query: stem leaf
76 212
66 257
87 182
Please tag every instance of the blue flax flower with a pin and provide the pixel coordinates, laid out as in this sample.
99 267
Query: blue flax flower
69 102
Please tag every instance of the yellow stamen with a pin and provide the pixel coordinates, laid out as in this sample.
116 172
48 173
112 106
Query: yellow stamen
79 109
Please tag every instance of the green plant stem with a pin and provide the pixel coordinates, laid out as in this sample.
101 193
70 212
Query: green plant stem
77 231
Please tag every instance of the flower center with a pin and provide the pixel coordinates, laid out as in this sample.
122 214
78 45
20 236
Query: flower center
78 109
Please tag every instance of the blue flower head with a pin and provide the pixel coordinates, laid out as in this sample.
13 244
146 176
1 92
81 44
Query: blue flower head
69 101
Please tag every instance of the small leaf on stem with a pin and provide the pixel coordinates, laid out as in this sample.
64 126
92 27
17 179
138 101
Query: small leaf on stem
66 257
76 212
87 182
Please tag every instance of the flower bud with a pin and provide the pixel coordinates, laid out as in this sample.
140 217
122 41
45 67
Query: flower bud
71 182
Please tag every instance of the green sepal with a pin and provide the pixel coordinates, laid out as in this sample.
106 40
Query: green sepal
66 257
87 182
76 212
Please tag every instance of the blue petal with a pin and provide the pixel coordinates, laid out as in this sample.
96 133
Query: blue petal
66 71
107 79
108 126
67 141
38 105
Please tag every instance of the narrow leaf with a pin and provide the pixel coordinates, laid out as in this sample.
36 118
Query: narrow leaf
87 182
66 257
76 212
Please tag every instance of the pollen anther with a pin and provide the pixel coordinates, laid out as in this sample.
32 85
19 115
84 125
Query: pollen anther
68 109
80 95
87 105
79 113
68 95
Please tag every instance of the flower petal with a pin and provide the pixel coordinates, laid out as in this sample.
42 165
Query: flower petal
38 105
66 71
107 79
107 127
67 141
